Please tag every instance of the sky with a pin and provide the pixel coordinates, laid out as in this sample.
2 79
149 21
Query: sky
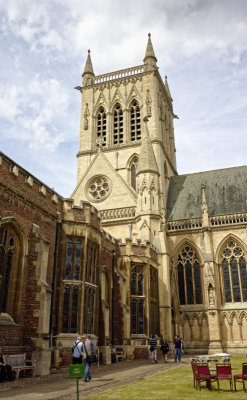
201 45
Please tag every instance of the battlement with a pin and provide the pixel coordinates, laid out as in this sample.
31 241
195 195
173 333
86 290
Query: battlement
138 248
26 186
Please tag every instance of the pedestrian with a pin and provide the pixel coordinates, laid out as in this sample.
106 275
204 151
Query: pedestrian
87 349
164 348
77 351
113 354
177 347
5 369
153 348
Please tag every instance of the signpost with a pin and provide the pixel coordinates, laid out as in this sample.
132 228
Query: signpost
76 371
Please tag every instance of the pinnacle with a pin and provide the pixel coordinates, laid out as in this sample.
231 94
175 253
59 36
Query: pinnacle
88 66
147 161
149 51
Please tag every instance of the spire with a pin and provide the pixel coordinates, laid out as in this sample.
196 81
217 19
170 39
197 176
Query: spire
147 161
88 67
167 87
150 56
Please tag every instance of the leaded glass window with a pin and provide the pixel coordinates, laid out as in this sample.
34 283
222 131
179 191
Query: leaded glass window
137 300
72 277
189 273
118 125
233 272
154 302
135 121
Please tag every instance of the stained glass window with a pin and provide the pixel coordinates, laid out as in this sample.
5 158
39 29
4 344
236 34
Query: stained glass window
7 251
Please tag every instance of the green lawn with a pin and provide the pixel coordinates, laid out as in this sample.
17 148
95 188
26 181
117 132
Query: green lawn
177 384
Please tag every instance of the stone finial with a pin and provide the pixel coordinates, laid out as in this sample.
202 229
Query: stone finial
88 70
204 207
149 55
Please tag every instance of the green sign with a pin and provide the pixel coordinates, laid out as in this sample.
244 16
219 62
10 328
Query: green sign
76 370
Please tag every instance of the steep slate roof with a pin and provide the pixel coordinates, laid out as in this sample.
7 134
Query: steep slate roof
225 193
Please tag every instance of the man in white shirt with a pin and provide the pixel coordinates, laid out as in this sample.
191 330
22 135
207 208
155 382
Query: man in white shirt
77 351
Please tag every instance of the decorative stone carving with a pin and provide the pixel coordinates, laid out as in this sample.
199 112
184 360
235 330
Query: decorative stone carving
98 188
148 102
211 297
86 115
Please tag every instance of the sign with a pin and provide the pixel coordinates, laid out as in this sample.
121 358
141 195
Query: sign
76 370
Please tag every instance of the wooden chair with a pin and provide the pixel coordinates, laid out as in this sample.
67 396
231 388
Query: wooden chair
241 377
195 373
203 375
224 373
119 355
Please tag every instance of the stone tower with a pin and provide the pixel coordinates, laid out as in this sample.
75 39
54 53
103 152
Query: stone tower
126 151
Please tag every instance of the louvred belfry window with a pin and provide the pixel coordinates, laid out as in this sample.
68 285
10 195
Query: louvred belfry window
233 273
118 125
135 121
101 126
189 274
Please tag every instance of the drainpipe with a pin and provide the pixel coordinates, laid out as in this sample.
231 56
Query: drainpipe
112 298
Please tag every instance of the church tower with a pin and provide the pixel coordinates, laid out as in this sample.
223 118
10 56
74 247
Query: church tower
126 149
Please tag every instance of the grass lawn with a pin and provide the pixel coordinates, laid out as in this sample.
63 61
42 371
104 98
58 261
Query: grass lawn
177 384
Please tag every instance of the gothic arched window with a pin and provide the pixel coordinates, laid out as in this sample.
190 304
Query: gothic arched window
101 126
9 270
72 274
135 121
118 125
189 277
133 168
137 300
233 272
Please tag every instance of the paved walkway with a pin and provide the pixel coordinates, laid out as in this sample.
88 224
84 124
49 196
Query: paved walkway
60 387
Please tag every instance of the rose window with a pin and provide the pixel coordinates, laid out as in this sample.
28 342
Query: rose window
98 188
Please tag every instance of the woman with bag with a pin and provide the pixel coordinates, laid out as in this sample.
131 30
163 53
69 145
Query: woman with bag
88 356
164 348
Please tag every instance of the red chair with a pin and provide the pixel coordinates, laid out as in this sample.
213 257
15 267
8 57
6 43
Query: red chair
203 375
195 374
241 377
224 373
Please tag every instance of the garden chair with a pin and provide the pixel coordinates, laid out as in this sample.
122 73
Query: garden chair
195 373
224 373
203 375
241 377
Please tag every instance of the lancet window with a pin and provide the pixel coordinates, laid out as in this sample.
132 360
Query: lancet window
233 273
72 285
101 126
135 121
137 300
118 125
189 274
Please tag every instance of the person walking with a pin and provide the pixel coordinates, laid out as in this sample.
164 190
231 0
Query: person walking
5 369
87 349
177 347
77 351
164 348
153 348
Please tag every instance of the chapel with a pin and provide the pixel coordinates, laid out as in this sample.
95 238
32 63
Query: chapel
137 248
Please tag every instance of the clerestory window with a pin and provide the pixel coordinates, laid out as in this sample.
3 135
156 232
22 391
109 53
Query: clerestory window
189 274
118 125
135 121
233 272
